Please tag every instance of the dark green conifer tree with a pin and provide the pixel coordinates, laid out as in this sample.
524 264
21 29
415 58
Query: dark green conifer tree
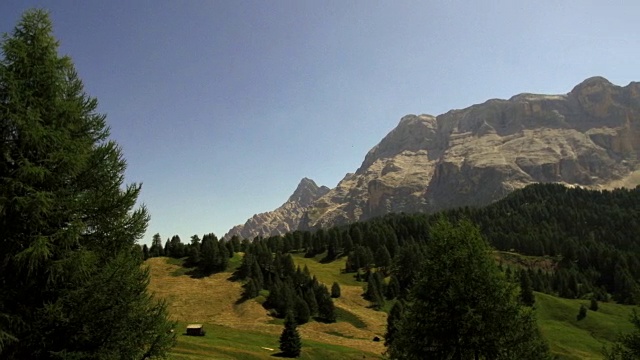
302 312
310 298
393 288
145 252
71 286
326 309
526 290
461 307
396 313
290 342
335 290
383 259
156 246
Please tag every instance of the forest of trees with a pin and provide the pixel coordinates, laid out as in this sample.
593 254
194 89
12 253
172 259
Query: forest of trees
589 236
291 289
207 256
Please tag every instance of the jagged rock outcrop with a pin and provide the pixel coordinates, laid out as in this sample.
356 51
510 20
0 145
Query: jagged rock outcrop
284 219
589 137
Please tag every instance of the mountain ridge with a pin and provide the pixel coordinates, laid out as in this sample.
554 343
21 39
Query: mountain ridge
473 156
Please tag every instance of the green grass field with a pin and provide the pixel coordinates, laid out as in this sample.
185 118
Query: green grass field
227 343
328 273
583 339
350 337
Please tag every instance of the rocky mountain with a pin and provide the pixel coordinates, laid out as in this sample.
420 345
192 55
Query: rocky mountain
588 137
284 219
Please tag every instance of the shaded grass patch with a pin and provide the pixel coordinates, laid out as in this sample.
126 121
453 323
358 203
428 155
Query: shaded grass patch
349 317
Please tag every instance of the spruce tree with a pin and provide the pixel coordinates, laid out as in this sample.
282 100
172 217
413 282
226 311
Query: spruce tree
396 313
302 311
526 290
335 290
72 286
290 343
326 309
462 307
393 288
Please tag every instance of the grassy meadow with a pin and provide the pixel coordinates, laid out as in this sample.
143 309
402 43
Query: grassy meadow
244 330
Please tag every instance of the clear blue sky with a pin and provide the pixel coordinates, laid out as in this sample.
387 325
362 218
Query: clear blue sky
222 107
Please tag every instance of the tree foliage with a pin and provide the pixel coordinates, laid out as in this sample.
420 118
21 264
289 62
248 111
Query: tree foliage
70 276
290 343
462 307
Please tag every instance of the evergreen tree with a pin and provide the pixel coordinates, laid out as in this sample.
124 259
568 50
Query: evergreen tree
302 312
168 248
310 299
67 225
145 252
335 290
194 256
393 288
383 258
582 312
593 306
156 246
326 309
462 307
251 289
375 289
396 313
526 290
290 343
209 255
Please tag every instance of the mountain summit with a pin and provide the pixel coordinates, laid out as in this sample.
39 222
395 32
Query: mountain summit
588 137
284 219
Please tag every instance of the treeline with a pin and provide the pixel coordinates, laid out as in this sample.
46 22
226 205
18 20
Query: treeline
594 235
591 237
208 255
291 290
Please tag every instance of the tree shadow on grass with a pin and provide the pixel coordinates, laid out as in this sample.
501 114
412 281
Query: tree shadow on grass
281 355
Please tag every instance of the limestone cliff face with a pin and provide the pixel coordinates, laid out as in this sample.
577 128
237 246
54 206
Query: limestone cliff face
284 219
589 137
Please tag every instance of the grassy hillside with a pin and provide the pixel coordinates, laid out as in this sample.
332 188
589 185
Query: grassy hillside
583 339
222 342
245 331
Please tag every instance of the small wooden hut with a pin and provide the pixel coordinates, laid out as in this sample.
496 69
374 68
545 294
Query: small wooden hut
195 330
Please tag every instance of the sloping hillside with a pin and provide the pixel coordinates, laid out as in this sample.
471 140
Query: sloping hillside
213 300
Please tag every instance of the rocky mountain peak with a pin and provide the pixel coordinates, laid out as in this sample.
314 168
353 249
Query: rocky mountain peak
588 137
591 85
284 219
307 191
413 133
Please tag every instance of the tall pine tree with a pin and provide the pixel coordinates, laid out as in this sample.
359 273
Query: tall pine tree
461 306
290 343
71 284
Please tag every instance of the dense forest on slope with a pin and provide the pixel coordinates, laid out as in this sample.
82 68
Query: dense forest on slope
589 239
593 235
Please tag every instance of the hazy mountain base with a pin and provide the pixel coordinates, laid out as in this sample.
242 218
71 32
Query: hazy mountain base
245 331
